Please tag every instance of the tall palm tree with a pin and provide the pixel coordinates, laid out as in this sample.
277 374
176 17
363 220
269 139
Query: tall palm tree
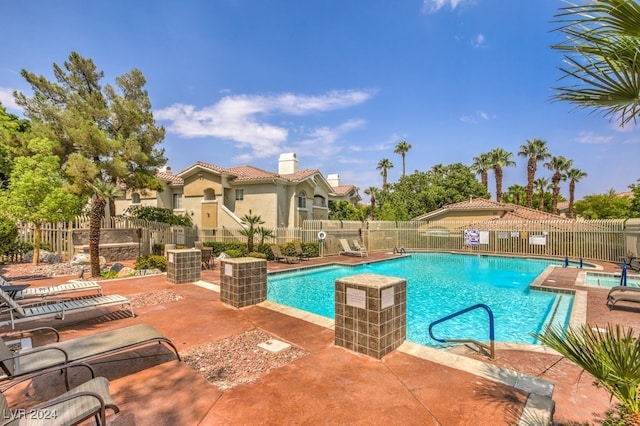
102 192
574 175
541 185
401 149
601 51
384 165
481 165
500 159
610 355
536 150
372 192
559 166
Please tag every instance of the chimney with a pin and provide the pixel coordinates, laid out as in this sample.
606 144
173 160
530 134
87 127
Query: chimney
287 164
334 180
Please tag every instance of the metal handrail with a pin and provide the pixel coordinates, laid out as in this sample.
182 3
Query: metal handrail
490 347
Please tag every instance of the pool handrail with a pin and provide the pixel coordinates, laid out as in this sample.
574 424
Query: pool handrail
490 347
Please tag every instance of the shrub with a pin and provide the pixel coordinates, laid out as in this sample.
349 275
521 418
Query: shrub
235 253
8 234
109 274
151 261
257 255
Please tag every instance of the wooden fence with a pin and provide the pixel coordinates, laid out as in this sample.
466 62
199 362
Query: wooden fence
605 240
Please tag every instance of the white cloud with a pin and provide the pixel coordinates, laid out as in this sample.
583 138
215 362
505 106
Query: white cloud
432 6
242 118
479 41
479 115
591 138
7 100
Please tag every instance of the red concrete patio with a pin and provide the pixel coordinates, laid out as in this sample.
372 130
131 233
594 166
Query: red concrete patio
330 385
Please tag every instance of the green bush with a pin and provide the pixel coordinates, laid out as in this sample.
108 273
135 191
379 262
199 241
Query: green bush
235 253
257 255
8 234
109 274
151 261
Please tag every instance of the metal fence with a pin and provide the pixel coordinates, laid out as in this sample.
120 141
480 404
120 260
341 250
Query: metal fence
605 240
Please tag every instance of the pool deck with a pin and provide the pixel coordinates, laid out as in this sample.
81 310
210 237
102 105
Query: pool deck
330 385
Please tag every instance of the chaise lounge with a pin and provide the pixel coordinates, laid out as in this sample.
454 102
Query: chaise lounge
623 294
56 356
11 312
54 290
278 256
347 250
90 399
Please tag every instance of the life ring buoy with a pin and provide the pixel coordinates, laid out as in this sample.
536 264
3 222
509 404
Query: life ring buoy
322 235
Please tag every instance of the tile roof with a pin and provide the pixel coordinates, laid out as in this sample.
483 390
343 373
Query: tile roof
170 177
244 173
343 189
510 211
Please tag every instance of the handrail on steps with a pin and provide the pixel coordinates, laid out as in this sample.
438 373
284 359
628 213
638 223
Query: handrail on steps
481 346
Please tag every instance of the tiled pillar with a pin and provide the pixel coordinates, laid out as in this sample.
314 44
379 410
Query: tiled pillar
184 266
371 313
243 281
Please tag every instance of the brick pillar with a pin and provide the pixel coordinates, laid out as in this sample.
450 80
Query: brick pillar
371 313
243 281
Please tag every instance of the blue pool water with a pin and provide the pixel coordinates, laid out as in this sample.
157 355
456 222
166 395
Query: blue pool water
611 280
439 284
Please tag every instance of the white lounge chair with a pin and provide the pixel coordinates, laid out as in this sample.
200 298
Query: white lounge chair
11 312
346 249
361 249
54 290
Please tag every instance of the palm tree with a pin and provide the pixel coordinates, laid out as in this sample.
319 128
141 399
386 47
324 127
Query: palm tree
515 194
541 185
384 165
264 233
250 228
610 355
401 149
536 150
574 175
481 165
559 166
602 56
372 191
102 192
499 159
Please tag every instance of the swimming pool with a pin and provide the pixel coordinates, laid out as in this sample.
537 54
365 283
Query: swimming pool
439 284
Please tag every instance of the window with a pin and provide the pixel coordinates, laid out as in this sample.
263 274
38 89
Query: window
209 194
302 200
177 201
239 194
135 198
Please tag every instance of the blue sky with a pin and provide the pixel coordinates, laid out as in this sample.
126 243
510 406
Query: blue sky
338 82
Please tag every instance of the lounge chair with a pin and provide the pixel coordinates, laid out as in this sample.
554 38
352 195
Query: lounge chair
54 308
300 252
278 256
90 399
361 249
346 249
55 356
54 290
623 294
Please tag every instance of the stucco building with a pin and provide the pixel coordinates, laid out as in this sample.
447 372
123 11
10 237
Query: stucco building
217 197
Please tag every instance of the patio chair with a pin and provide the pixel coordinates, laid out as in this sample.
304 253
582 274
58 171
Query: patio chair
302 255
361 249
346 249
278 256
53 290
54 308
90 399
61 355
623 294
